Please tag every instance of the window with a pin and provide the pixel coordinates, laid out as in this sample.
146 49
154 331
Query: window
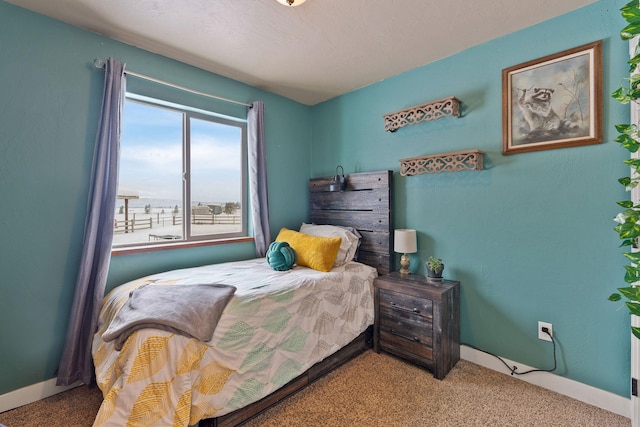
181 177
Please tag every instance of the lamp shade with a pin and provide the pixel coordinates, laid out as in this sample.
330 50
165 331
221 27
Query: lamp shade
405 241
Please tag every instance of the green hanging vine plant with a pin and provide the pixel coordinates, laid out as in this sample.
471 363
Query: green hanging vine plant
628 220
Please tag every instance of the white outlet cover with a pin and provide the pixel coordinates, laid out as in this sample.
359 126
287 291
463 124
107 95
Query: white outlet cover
542 335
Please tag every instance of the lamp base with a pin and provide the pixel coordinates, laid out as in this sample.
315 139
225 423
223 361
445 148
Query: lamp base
404 264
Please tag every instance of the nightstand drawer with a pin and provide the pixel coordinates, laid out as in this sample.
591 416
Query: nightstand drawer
415 332
397 341
404 305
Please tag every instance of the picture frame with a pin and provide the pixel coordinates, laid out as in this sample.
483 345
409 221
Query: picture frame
554 101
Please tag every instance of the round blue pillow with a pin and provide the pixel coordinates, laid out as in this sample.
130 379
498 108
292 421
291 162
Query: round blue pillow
281 256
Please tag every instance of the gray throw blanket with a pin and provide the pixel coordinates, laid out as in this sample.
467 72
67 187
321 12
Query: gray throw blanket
191 310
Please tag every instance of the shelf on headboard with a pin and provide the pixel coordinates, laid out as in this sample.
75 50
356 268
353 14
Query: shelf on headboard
365 205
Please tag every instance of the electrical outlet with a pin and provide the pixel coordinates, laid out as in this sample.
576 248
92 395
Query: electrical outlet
543 335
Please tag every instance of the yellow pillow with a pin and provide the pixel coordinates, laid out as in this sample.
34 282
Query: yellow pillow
314 252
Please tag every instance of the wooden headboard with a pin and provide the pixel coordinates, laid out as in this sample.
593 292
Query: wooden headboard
366 205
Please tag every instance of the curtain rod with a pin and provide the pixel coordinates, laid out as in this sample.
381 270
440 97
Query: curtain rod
99 63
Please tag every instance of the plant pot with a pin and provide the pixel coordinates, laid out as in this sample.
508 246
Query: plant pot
432 275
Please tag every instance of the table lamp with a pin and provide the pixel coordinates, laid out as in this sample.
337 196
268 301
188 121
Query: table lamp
405 242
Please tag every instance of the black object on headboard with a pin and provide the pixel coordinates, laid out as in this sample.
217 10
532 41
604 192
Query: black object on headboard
365 205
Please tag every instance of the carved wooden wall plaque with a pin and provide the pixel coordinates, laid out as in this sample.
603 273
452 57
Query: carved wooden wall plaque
447 162
446 107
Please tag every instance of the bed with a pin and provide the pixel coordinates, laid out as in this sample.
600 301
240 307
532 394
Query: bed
279 331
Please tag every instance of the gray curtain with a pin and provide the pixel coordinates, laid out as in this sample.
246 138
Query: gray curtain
76 363
258 178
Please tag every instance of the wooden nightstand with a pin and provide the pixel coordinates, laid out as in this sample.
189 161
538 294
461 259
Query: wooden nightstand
418 320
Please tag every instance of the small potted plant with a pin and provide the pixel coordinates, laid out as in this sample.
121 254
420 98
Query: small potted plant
434 268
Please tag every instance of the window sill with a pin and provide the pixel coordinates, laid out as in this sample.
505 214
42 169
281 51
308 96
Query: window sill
181 245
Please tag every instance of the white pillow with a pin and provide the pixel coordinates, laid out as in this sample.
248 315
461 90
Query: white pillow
348 246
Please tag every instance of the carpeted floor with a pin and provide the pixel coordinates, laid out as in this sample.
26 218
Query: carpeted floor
376 389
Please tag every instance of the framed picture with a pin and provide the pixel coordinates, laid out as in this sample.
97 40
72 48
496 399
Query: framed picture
553 102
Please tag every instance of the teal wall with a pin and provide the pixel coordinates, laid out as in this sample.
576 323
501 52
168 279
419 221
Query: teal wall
50 96
530 237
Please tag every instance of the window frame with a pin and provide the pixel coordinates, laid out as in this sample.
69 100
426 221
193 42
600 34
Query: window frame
190 240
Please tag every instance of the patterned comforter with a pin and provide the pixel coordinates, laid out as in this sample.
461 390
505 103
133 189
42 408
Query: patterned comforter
277 325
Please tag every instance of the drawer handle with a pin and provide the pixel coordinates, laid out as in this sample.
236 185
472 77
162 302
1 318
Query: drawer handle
412 310
416 339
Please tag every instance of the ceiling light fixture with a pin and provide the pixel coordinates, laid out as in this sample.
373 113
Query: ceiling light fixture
291 2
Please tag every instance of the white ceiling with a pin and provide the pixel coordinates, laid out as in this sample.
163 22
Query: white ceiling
309 53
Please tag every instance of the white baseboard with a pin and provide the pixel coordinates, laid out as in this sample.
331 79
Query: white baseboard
574 389
32 393
585 393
